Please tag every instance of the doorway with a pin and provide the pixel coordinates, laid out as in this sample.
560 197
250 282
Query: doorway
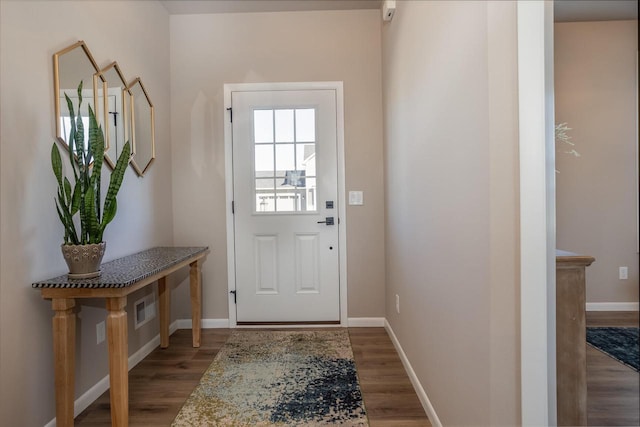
285 240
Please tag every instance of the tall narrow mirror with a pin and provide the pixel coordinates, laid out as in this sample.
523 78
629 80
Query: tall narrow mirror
71 66
142 126
111 112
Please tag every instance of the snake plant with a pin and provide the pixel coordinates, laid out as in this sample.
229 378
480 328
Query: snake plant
83 197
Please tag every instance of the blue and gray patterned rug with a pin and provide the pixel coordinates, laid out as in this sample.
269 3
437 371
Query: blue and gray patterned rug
620 343
278 378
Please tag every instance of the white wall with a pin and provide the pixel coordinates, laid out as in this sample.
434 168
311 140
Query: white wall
208 51
596 94
450 105
136 34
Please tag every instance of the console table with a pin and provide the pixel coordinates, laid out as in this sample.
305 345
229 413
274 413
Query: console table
119 278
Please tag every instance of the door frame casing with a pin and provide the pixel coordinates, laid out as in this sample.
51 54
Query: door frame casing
337 86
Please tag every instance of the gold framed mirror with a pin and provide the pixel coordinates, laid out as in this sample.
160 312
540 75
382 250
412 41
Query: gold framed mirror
111 110
141 127
70 66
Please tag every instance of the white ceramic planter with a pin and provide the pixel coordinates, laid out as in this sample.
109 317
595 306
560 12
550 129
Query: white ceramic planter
83 260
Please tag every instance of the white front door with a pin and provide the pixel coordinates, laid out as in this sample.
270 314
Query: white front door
285 193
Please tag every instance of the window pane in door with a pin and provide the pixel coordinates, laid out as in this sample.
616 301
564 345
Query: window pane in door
306 158
263 126
264 160
285 158
265 202
286 201
263 184
306 125
308 192
284 125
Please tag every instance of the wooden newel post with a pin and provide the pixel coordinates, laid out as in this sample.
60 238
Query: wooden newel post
571 338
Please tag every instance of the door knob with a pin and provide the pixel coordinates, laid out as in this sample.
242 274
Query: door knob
328 220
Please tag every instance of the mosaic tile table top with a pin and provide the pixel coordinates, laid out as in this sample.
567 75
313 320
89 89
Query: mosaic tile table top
125 271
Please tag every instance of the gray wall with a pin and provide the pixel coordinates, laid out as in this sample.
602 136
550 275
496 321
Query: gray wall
208 51
450 108
136 34
597 193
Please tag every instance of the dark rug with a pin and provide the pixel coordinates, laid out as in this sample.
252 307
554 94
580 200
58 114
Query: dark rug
278 378
620 343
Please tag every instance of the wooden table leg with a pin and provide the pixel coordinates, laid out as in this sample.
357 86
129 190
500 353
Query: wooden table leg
164 294
64 351
118 361
196 301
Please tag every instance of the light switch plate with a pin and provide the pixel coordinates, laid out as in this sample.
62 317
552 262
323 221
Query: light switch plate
356 198
623 273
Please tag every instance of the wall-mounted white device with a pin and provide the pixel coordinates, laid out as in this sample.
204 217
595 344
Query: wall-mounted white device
388 9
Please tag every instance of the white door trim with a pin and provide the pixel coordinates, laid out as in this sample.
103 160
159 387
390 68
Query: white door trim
228 154
537 213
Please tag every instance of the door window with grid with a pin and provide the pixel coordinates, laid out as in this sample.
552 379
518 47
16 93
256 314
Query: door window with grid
284 142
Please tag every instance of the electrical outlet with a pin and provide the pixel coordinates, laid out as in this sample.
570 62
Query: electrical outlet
397 304
100 332
623 273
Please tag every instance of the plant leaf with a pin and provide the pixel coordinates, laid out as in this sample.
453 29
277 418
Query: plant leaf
56 163
109 214
96 144
72 136
116 180
92 220
75 201
64 224
67 190
67 221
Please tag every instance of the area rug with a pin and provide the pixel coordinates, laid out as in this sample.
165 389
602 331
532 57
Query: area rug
278 378
620 343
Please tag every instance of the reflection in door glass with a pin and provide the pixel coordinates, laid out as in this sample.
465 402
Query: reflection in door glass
285 160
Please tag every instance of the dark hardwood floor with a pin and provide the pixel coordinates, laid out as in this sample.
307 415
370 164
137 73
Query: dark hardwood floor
388 394
613 397
160 384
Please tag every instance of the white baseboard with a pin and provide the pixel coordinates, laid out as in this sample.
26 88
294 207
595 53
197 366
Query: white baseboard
422 395
353 322
612 306
366 322
101 386
205 324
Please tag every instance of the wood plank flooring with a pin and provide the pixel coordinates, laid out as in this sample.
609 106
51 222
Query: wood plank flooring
160 384
613 397
388 394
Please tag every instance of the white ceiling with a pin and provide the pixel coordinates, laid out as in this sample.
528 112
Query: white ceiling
564 10
187 7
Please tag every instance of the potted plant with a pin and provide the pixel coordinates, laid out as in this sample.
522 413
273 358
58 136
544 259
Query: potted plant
79 203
